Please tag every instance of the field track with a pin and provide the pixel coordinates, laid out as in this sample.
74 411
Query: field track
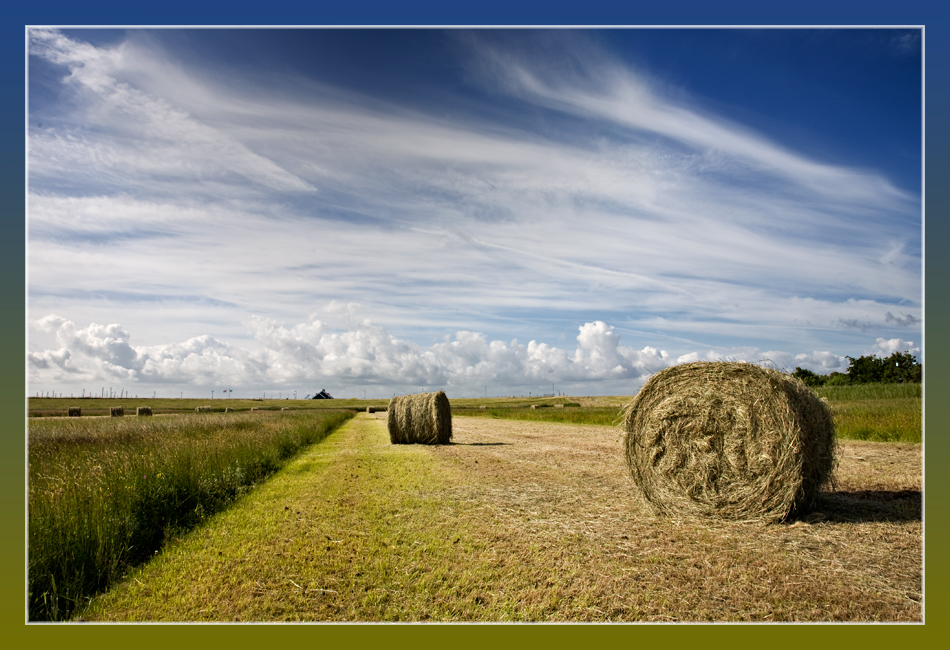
526 521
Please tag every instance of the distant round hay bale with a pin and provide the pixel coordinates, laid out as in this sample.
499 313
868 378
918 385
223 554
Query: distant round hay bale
370 409
202 409
255 408
425 418
228 409
284 408
116 411
483 406
143 410
74 411
729 440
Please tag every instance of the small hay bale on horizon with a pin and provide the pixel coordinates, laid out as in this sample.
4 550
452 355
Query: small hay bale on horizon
425 418
143 410
116 411
370 409
202 409
729 440
74 412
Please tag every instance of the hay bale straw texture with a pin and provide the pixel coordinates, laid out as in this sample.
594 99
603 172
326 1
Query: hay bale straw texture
143 410
74 411
425 418
729 440
116 411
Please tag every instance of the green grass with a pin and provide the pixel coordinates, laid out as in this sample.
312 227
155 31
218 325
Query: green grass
870 392
877 412
105 494
874 412
328 539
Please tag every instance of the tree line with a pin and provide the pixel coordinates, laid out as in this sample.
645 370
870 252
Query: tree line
900 367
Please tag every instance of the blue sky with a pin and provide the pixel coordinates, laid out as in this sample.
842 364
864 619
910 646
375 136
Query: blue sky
399 210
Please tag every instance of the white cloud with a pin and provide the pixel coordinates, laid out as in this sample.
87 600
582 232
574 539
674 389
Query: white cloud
886 347
158 186
311 355
310 352
129 137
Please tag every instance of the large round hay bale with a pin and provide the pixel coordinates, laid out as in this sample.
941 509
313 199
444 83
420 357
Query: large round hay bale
116 411
74 411
425 418
370 409
143 410
729 440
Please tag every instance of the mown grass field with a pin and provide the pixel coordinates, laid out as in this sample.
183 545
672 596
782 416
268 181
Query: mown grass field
526 521
515 521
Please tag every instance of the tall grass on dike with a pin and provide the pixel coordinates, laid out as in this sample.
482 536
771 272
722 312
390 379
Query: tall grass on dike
106 493
876 412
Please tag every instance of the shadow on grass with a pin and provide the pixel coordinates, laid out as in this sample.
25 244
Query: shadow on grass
859 506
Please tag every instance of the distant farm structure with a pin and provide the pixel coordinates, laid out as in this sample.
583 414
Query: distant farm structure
323 395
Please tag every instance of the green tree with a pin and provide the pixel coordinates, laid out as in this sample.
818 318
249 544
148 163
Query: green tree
898 368
866 369
808 377
902 367
838 379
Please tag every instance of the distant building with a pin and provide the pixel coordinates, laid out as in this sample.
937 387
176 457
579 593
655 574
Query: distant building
323 395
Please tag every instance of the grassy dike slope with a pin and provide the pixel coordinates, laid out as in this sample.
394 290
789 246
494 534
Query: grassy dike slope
527 521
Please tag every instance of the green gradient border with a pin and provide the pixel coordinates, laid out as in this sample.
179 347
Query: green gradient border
377 12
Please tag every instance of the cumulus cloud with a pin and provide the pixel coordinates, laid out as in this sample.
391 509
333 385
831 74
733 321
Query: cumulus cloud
886 347
363 354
